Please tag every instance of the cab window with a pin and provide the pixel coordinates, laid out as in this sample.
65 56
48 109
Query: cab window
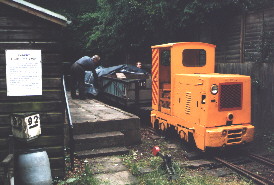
194 57
165 57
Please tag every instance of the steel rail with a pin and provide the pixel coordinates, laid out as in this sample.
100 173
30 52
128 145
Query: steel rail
257 178
262 159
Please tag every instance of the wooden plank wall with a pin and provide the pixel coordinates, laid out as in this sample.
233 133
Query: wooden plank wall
262 76
20 30
240 50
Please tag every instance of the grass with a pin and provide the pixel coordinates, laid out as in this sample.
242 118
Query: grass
140 158
84 178
82 174
158 175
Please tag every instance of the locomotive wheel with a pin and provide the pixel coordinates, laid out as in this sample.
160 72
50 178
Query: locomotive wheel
171 132
157 128
190 145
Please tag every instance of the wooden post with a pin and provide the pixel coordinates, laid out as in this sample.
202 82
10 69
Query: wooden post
242 37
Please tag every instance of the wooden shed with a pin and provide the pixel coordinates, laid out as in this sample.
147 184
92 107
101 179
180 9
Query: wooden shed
25 26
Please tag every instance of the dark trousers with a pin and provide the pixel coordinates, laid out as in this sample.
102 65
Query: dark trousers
77 80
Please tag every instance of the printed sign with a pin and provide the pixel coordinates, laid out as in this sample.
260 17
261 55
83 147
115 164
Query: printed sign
24 72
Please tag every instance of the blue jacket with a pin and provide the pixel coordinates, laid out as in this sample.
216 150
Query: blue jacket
88 65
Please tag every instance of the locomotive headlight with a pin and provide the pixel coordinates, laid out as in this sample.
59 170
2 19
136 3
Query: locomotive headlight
214 89
224 132
230 117
244 130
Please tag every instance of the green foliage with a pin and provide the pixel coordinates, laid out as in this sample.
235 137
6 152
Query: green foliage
123 30
128 28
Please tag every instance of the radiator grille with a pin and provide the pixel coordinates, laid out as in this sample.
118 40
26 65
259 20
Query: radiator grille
234 136
230 96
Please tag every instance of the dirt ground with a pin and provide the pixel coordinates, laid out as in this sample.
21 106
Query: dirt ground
178 150
200 162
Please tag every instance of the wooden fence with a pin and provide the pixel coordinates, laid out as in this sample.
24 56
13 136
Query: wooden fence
262 76
245 45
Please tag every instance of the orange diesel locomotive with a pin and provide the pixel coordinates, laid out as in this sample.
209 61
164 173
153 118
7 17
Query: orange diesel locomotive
213 109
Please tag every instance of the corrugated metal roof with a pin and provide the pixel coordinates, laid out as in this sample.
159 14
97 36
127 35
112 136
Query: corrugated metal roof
38 11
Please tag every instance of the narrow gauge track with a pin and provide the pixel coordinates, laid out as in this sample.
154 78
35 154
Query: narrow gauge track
262 159
254 176
249 159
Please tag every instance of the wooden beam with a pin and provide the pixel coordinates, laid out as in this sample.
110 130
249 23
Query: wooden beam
242 37
36 12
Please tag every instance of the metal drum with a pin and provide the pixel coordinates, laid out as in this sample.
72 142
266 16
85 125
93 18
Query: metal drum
32 167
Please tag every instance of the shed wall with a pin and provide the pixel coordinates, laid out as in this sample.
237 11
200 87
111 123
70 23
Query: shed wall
20 30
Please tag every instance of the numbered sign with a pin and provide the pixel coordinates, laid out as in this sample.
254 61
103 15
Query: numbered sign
26 126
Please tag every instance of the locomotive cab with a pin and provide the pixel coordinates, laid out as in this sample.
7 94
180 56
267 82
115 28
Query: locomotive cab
214 109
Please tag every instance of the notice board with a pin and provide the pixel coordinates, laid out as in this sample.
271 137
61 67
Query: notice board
24 72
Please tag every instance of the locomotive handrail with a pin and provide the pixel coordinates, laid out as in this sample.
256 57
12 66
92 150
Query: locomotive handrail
68 116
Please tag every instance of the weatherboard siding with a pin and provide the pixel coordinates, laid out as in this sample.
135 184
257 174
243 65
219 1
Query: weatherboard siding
21 30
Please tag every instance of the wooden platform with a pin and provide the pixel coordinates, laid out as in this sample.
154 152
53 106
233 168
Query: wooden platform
100 129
